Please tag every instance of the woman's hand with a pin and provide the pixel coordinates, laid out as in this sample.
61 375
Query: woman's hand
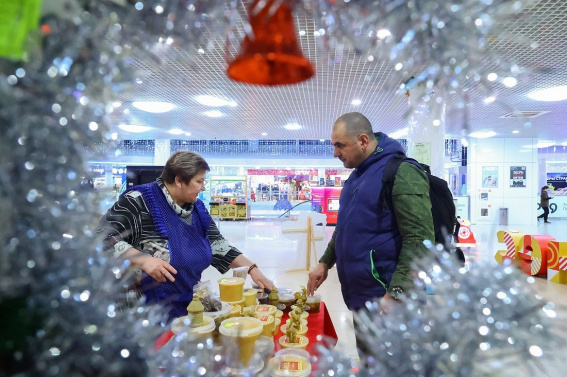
259 278
157 268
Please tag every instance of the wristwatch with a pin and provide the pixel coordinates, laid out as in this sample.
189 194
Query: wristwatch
396 292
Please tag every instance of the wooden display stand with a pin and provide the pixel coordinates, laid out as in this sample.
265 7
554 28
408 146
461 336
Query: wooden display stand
311 238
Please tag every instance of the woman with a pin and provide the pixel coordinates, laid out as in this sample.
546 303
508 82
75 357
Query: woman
544 204
166 231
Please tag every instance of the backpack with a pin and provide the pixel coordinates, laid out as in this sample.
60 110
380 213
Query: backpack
442 205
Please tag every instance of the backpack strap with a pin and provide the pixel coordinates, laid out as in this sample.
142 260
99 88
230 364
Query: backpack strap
388 178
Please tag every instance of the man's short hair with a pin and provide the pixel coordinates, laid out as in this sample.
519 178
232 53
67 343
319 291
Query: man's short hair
184 164
355 124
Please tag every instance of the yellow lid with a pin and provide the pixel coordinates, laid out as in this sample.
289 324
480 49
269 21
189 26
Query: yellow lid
290 365
241 327
231 281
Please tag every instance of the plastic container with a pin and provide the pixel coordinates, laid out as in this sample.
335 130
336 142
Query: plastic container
181 324
266 310
268 321
235 311
287 300
301 342
277 323
245 330
249 297
265 347
302 329
220 315
279 314
303 322
314 303
240 272
290 362
262 298
231 289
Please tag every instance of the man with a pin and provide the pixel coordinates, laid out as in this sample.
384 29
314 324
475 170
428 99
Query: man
373 246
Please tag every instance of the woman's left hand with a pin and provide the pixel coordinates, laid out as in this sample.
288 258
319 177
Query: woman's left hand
259 278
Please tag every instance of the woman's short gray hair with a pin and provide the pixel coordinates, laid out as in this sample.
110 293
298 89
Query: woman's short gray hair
185 165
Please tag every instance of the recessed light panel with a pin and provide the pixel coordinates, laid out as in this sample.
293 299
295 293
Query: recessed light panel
134 128
482 134
292 126
558 93
154 107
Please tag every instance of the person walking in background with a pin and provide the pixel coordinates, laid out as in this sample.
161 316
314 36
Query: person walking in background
544 202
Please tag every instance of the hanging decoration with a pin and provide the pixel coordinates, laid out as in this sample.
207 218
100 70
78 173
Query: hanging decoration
270 53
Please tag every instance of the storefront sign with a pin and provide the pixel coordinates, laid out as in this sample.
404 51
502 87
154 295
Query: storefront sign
283 172
557 180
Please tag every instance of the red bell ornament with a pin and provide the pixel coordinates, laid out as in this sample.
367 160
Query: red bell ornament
270 54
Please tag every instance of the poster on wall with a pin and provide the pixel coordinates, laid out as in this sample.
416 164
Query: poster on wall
490 176
484 212
422 153
517 176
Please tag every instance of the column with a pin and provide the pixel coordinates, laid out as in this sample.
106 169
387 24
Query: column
426 128
162 151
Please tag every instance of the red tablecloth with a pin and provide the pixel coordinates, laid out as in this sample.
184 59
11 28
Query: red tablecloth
317 324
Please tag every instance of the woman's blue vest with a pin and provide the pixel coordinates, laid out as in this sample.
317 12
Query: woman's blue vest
189 249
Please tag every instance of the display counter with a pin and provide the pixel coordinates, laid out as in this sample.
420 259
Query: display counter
318 323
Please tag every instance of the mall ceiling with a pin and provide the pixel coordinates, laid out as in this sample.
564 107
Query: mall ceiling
341 77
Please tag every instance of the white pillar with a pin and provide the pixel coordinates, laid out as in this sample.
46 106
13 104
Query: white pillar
162 151
426 131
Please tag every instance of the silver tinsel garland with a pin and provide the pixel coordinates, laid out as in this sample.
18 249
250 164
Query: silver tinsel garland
57 290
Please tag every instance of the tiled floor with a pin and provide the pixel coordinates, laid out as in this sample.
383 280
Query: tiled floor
264 243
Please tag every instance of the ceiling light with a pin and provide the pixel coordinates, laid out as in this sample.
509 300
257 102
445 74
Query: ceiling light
116 104
176 131
515 132
264 134
492 76
154 107
292 126
557 93
356 102
213 113
214 101
488 100
187 133
509 82
482 134
134 128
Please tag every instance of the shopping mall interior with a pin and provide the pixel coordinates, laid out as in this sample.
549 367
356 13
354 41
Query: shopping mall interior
491 120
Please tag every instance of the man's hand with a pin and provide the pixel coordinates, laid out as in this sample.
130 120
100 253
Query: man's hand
317 277
259 278
388 304
157 268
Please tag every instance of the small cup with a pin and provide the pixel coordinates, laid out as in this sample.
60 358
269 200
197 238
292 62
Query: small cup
249 297
245 330
231 289
290 362
240 272
301 342
314 303
181 325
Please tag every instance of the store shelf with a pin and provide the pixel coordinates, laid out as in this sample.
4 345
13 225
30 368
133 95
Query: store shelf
228 198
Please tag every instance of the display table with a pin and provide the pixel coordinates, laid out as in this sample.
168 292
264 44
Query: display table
317 323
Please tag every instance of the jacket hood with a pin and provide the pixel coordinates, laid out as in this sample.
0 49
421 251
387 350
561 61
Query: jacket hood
386 147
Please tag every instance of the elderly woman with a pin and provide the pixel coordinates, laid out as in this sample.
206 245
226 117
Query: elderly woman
166 231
